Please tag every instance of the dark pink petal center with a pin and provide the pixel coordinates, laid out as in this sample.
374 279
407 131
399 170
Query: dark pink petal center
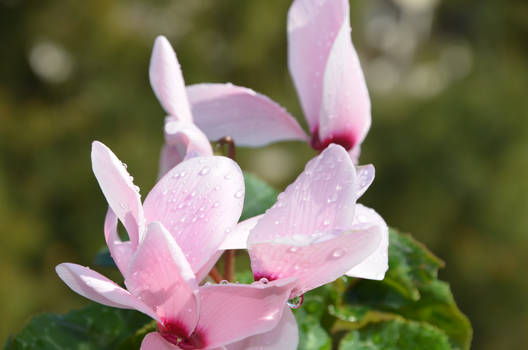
347 140
175 332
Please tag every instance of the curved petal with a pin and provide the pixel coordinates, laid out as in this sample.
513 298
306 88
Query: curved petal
120 192
232 312
312 28
170 156
284 336
314 262
198 201
98 288
154 341
365 175
160 276
321 199
345 106
167 80
250 118
183 140
375 265
237 237
121 251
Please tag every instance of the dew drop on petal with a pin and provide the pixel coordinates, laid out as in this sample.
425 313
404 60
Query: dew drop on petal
224 282
293 249
205 170
263 280
296 302
239 194
338 253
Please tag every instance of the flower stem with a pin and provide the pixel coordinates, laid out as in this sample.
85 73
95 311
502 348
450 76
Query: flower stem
215 275
229 255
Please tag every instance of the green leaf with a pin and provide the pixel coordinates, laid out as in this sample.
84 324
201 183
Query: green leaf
410 290
259 196
312 336
95 327
396 335
411 264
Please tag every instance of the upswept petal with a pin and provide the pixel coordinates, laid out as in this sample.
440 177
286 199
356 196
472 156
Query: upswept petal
237 238
375 265
120 192
98 288
345 105
284 336
120 251
198 201
154 341
250 118
232 312
167 80
312 29
365 177
321 199
314 262
160 276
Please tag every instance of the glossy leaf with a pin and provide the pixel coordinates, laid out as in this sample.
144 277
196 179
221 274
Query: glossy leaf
94 327
396 335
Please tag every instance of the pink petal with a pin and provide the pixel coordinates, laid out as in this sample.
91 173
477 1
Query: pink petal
237 237
167 80
284 336
184 140
198 201
154 341
345 106
314 262
170 157
160 276
98 288
232 312
365 175
120 192
250 118
121 251
321 199
312 28
375 265
205 269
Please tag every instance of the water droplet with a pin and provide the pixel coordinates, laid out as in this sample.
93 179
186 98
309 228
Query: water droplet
326 222
293 249
224 282
263 280
227 176
332 198
239 194
338 187
277 222
338 253
205 170
216 204
296 302
182 219
124 164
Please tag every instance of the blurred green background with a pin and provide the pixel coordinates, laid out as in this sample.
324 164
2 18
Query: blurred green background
448 82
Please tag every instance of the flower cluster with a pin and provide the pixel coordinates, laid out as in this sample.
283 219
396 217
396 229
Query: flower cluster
312 235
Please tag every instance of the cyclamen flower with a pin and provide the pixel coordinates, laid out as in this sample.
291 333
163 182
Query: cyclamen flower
327 75
160 273
316 232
